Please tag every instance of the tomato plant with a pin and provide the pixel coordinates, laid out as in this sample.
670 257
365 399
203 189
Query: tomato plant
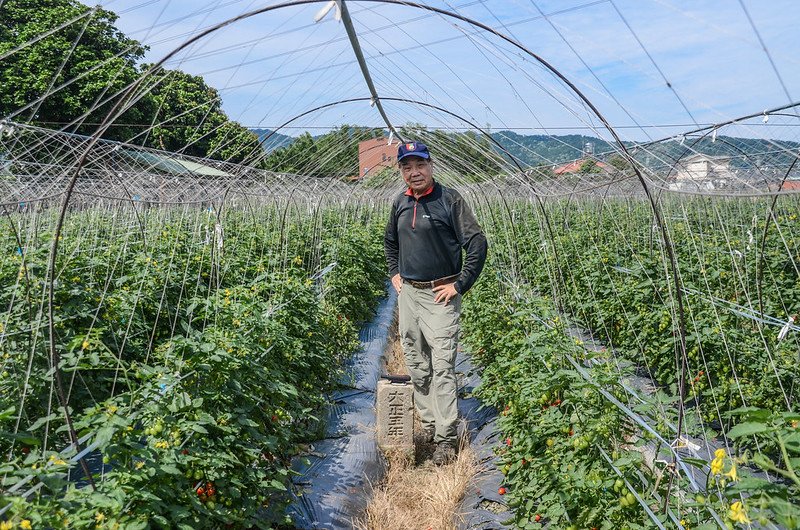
195 366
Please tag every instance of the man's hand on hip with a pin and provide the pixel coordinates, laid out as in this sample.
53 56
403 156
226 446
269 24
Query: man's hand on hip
397 283
445 292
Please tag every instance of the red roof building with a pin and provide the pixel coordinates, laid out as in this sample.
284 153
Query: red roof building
375 154
787 185
575 166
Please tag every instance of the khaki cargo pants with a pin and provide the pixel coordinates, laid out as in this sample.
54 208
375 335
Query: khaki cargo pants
429 336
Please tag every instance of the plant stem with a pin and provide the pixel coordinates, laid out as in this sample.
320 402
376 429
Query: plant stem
790 470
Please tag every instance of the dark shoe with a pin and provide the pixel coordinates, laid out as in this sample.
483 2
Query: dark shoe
444 454
428 433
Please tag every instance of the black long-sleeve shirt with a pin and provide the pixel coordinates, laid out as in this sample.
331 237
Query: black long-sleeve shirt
424 238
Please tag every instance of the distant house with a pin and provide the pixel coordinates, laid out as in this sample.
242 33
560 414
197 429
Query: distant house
788 185
700 167
703 172
575 167
375 154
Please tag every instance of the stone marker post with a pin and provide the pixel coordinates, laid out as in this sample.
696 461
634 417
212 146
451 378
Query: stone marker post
396 417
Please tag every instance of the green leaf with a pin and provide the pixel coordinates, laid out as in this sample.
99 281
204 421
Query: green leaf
170 469
752 485
104 435
696 462
747 428
278 485
754 413
41 421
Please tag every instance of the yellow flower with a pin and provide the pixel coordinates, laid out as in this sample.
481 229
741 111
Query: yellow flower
716 466
737 513
99 517
139 464
6 525
25 524
56 461
732 473
719 453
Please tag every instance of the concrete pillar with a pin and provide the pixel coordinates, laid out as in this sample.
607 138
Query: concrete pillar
395 417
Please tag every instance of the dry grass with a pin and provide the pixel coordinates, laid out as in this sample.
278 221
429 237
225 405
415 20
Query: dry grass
418 495
425 497
395 361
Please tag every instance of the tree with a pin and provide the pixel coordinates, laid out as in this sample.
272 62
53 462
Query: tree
334 154
619 163
235 143
68 63
70 74
589 166
187 113
467 154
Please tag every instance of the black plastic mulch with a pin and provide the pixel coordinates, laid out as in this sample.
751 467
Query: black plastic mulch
335 476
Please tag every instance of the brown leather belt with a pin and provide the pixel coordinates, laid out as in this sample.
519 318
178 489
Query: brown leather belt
433 283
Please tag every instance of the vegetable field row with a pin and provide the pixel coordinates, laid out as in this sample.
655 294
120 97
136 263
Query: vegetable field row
572 456
194 352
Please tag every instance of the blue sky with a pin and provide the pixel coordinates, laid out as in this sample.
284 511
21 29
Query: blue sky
272 67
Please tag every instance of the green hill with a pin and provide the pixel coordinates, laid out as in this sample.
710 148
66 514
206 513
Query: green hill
276 141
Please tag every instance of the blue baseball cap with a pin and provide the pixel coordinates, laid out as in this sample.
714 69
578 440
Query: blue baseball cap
412 149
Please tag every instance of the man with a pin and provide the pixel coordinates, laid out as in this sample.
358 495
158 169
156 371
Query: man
428 227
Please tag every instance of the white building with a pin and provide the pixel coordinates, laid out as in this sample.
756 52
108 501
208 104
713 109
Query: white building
702 172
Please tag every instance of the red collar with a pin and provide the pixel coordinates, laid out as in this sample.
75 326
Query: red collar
424 193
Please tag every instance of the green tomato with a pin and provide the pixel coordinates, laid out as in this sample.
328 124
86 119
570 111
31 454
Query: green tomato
619 484
699 499
630 498
211 505
198 474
